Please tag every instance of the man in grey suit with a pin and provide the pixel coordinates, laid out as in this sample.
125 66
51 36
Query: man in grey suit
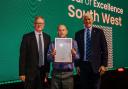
93 54
33 64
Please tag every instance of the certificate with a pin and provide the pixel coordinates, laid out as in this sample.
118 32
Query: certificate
63 48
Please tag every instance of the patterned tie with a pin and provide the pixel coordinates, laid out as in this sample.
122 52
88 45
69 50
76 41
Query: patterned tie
88 44
41 61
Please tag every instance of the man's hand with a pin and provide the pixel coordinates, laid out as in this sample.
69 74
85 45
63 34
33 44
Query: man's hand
73 51
53 53
22 77
102 70
78 70
45 80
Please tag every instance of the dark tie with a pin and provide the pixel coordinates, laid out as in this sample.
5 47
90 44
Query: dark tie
88 44
41 61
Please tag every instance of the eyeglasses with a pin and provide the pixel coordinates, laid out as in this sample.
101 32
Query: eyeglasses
39 23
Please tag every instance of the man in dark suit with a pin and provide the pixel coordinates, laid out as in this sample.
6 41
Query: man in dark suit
93 54
33 64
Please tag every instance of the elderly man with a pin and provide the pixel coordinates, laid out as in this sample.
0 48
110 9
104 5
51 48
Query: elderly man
92 46
62 77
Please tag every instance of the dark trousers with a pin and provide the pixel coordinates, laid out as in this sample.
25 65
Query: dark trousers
37 81
88 79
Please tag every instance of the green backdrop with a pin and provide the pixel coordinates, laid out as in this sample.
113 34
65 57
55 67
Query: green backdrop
16 18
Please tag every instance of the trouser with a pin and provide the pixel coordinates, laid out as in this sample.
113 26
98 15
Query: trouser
36 81
62 80
88 79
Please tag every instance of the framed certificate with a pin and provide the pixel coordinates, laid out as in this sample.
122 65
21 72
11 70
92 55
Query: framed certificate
63 48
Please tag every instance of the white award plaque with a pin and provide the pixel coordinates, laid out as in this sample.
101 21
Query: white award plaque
63 48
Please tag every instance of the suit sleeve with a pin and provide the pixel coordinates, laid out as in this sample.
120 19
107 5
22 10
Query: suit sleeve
104 49
47 65
77 62
23 56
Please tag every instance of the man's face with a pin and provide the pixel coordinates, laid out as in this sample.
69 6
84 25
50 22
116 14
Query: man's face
88 21
39 24
62 31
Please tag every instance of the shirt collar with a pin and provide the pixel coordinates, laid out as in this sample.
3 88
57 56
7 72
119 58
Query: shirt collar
88 28
37 33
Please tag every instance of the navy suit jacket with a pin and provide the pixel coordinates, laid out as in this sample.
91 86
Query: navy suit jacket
29 56
99 51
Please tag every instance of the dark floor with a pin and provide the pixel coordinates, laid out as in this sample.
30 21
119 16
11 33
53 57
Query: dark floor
110 80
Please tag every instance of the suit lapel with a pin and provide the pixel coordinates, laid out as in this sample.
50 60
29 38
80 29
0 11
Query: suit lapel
33 37
82 37
93 33
82 42
44 38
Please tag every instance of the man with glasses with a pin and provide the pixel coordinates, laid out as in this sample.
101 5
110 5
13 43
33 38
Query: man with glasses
33 64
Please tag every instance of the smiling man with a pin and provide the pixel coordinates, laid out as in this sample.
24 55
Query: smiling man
33 63
92 46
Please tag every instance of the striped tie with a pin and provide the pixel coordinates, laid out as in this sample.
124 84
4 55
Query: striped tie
88 44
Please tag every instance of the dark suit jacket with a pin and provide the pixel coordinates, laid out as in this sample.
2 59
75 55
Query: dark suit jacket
99 51
29 57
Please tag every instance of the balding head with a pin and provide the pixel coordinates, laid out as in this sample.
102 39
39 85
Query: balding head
62 31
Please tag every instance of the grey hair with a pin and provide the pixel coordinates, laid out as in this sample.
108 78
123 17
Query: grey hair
88 15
